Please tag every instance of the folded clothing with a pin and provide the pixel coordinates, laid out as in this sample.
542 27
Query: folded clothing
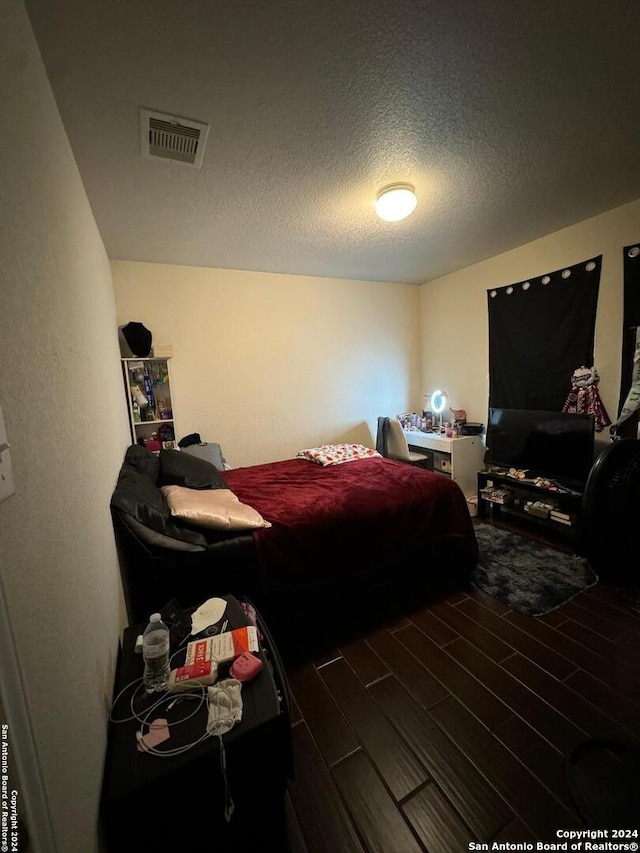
225 706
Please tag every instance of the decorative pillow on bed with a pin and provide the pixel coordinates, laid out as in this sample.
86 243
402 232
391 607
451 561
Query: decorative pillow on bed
217 508
336 454
182 469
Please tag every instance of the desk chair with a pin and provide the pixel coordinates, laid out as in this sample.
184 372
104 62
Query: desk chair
396 446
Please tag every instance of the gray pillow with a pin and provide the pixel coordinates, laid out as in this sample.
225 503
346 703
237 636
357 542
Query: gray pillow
209 450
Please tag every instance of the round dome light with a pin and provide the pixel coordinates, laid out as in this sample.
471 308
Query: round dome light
396 202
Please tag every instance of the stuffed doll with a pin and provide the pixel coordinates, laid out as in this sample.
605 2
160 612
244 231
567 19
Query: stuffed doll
584 397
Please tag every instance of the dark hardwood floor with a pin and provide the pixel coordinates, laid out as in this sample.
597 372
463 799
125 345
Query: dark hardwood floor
427 719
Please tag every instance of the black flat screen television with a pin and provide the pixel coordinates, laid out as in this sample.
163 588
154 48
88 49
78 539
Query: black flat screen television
553 445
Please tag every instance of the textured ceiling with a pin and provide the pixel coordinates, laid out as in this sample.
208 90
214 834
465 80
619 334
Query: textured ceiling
512 118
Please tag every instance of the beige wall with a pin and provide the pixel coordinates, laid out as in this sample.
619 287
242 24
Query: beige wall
61 392
455 353
269 364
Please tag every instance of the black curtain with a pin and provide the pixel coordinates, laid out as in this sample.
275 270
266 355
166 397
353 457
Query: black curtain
630 321
540 331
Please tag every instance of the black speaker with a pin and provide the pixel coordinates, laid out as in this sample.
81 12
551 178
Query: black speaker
471 429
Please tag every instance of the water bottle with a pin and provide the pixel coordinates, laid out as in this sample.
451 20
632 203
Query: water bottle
155 651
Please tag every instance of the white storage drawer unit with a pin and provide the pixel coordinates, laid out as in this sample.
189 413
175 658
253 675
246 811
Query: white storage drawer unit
442 461
460 458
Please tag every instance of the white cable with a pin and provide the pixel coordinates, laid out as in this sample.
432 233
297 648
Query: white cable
144 720
173 698
168 753
137 681
143 717
178 750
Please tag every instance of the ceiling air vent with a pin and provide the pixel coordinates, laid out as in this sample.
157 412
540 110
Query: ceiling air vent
180 140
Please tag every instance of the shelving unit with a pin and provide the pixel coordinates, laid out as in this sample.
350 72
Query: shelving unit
519 493
460 457
148 388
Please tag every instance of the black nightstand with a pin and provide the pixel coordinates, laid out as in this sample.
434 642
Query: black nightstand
175 803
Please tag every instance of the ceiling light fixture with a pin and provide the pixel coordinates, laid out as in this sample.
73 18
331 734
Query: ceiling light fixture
395 202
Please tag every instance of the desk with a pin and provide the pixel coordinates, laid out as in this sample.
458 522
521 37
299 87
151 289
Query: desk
177 803
460 457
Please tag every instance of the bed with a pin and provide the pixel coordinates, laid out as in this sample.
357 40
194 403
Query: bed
333 522
327 527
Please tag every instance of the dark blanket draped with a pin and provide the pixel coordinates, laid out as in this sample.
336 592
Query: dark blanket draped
348 518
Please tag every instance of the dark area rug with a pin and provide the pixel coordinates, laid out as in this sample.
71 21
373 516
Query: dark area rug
527 576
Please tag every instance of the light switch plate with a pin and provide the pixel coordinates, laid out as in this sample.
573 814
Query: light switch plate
7 487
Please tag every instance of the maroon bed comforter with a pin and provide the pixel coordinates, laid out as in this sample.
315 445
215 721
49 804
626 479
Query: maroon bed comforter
350 517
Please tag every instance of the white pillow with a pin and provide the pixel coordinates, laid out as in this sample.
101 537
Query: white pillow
336 454
217 508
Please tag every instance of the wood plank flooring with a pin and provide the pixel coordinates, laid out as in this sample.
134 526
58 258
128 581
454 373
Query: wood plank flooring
432 717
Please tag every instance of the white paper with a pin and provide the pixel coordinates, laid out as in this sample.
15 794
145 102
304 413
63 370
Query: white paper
207 614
